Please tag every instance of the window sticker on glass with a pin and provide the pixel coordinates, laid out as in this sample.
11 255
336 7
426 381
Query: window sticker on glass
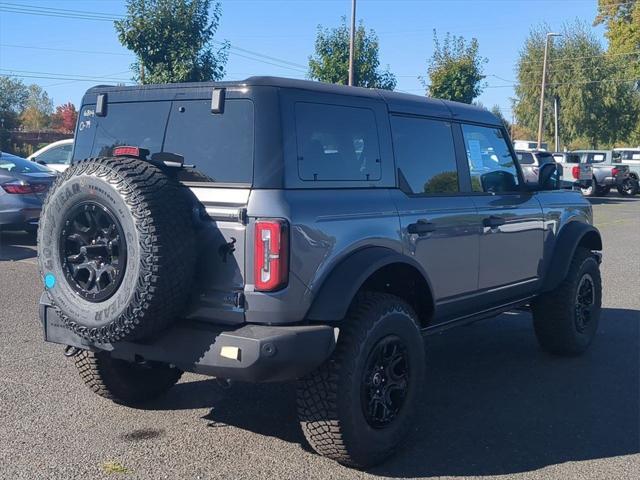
475 153
598 157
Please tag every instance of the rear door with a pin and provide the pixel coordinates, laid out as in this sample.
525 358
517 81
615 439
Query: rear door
437 220
221 147
510 218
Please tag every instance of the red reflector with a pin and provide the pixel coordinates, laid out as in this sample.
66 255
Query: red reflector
24 188
615 171
271 255
575 171
126 151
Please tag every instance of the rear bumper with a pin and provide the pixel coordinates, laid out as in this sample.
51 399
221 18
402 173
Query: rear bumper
19 217
252 353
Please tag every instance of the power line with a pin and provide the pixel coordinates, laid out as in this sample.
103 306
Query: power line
50 77
61 76
68 50
62 10
46 11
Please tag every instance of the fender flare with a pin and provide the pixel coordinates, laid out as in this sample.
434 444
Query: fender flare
340 287
568 240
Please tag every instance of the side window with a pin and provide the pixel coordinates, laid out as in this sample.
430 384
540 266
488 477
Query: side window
336 143
57 156
596 157
425 155
492 167
525 158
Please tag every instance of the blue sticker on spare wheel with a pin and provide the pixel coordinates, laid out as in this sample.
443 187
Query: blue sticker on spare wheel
49 280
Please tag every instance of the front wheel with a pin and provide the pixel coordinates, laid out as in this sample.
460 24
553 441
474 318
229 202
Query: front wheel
566 319
124 382
359 405
628 188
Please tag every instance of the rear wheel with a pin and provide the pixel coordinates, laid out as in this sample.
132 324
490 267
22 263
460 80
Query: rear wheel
124 382
566 319
628 188
359 405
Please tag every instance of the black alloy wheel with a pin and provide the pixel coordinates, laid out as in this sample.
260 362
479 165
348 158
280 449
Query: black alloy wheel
385 382
585 300
93 251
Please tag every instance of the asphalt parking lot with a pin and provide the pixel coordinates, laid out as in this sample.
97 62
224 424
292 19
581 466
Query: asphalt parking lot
495 404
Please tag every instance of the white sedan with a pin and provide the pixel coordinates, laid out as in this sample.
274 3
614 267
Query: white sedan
56 155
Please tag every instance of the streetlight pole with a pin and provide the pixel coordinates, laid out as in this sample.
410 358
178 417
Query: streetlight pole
352 41
544 79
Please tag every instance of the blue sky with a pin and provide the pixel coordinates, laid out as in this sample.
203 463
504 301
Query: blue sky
77 53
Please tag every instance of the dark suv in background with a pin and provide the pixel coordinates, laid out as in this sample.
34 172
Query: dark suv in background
276 229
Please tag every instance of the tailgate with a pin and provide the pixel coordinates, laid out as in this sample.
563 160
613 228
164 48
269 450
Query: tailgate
220 278
586 172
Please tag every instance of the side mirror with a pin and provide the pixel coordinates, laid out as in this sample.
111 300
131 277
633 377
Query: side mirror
548 177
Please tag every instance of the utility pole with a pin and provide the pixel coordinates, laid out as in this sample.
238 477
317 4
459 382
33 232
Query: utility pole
556 112
352 42
544 80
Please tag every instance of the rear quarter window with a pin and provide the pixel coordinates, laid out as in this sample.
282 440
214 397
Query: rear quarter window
336 143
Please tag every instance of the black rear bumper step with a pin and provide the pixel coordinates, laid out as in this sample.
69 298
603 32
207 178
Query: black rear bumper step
252 353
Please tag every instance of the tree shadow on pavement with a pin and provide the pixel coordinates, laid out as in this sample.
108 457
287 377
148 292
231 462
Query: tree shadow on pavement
17 245
493 404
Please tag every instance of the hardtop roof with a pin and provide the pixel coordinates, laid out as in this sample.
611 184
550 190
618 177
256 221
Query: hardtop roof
396 101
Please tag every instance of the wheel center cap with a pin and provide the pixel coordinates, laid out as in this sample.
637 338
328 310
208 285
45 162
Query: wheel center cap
377 379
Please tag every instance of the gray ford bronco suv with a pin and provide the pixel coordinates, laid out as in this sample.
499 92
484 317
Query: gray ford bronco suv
275 229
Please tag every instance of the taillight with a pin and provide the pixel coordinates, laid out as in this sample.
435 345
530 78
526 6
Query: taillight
271 255
615 171
575 171
24 188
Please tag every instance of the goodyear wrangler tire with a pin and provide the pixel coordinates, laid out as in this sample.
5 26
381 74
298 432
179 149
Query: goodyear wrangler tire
116 248
359 406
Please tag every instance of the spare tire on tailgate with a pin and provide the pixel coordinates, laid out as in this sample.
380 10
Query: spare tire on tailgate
116 248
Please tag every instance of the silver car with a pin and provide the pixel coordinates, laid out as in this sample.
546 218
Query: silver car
531 161
23 187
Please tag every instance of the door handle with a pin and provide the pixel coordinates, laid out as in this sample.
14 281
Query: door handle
493 221
421 227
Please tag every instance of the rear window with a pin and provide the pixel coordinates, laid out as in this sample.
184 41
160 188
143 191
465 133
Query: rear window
544 157
219 145
626 155
11 163
525 158
596 157
336 143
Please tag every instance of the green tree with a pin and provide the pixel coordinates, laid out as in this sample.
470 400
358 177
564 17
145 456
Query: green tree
597 102
331 60
455 69
172 40
13 100
622 22
38 109
497 111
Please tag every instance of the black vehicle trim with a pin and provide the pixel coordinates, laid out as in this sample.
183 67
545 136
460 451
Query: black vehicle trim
569 237
341 285
484 314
